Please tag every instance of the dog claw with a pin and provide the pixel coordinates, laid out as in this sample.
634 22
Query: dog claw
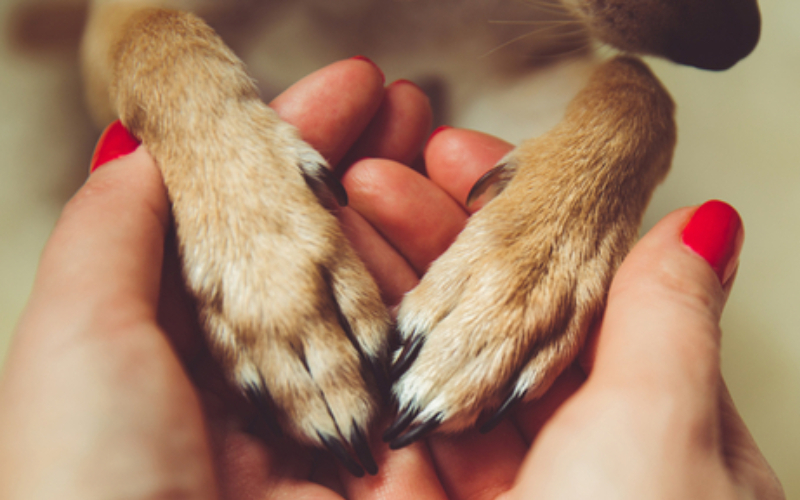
406 357
490 184
501 412
416 433
265 407
339 451
325 185
363 452
400 424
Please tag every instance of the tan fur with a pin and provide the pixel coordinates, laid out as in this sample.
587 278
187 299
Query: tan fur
271 284
512 299
291 312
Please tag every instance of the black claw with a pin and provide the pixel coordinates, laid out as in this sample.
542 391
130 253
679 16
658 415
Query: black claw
416 433
340 452
325 185
381 377
490 184
375 364
263 403
361 447
501 412
400 424
337 189
407 356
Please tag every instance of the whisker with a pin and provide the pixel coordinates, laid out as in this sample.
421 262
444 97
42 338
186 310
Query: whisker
534 22
506 44
548 7
557 35
580 29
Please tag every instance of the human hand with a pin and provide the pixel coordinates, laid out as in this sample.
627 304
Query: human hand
645 412
95 401
108 391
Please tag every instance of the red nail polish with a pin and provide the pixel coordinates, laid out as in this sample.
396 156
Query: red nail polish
715 232
116 141
438 130
370 61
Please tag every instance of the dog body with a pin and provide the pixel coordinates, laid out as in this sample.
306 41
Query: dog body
291 312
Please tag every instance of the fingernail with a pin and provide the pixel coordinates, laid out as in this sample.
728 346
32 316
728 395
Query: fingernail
716 234
437 130
403 81
368 60
115 141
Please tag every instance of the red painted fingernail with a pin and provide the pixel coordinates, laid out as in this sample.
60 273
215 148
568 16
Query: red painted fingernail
438 130
116 141
368 60
715 232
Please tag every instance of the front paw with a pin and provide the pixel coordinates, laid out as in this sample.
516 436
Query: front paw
508 306
289 310
498 317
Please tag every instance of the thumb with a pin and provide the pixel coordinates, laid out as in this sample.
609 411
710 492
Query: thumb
102 263
91 386
661 327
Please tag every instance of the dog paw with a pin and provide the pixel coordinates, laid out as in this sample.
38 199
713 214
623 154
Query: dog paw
500 315
507 307
289 309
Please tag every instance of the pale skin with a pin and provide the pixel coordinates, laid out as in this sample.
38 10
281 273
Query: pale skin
106 391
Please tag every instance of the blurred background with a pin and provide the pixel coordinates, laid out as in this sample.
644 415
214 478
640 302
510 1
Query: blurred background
739 141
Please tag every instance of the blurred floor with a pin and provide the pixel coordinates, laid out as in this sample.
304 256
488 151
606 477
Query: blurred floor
739 141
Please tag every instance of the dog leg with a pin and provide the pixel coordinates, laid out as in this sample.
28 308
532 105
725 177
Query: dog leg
289 309
507 307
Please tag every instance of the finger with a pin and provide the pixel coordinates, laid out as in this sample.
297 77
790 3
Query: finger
414 215
248 470
478 466
399 128
92 388
393 274
408 473
332 106
660 333
457 158
103 260
651 398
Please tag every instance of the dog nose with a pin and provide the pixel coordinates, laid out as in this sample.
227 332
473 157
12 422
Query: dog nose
714 34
